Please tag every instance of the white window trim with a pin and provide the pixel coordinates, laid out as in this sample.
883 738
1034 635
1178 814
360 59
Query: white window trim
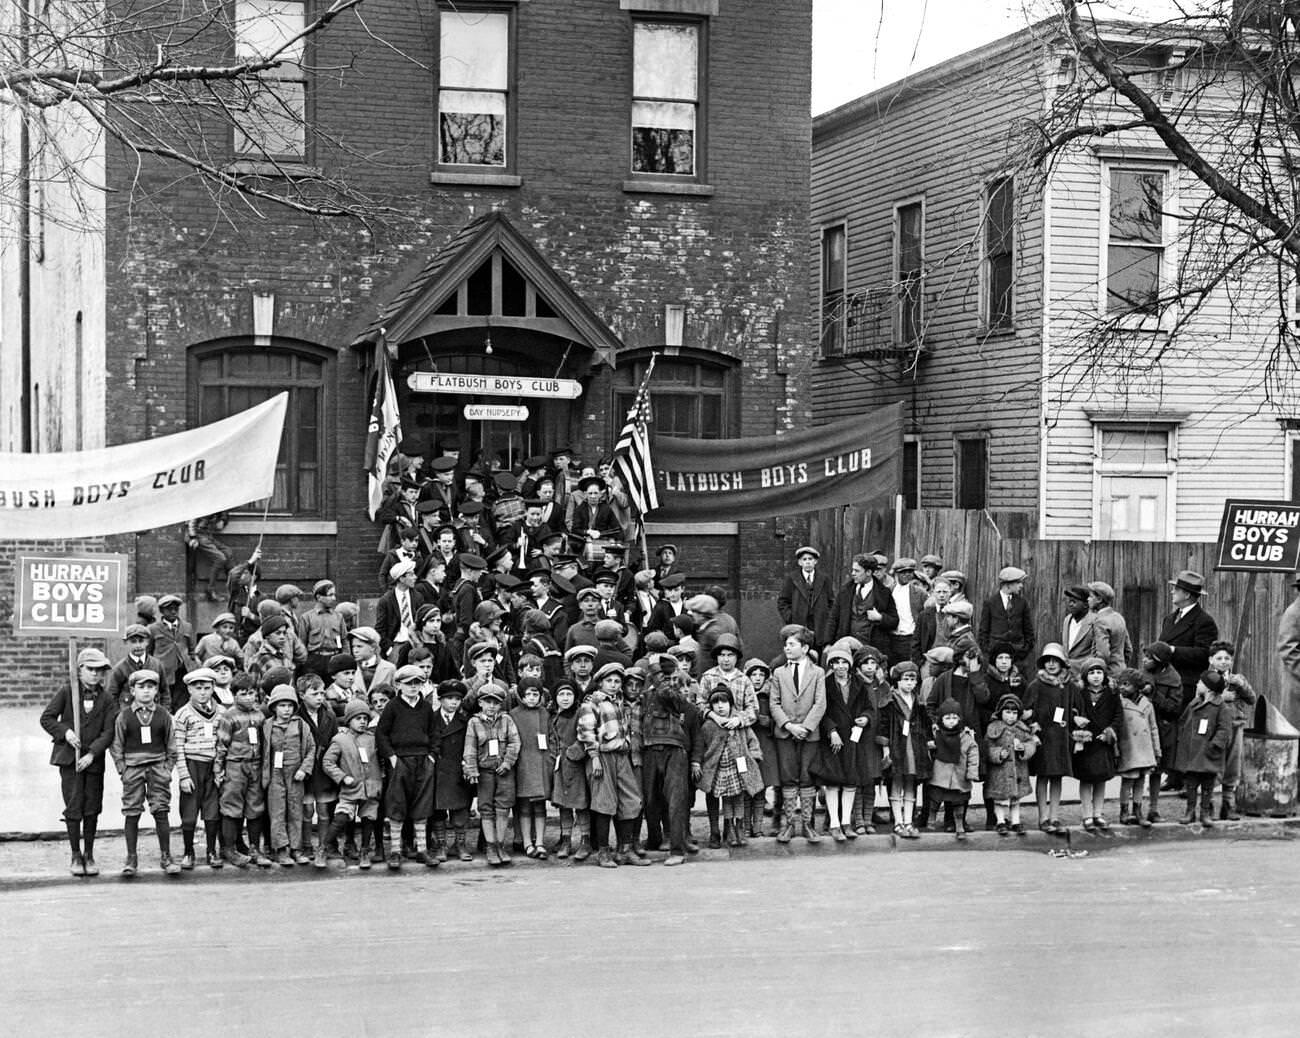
986 327
1168 233
896 259
821 277
1289 439
1169 470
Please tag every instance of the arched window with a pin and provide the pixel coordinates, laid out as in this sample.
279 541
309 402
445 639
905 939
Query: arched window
690 396
229 378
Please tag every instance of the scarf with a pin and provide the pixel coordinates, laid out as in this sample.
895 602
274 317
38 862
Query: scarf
947 744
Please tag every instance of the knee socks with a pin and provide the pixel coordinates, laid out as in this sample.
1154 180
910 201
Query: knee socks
210 829
74 834
711 805
833 820
132 826
88 826
600 830
164 830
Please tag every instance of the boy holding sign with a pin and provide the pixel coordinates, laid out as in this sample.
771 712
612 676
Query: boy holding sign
79 754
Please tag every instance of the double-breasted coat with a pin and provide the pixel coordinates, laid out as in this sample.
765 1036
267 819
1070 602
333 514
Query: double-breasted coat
1204 731
450 790
1101 712
811 604
855 763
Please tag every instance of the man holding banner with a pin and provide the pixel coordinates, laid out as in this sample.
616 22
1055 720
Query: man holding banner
82 731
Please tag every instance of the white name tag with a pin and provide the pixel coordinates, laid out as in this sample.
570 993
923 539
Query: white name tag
146 734
365 754
252 737
87 705
207 730
494 747
856 734
557 763
1058 715
742 765
541 740
907 729
279 759
1203 727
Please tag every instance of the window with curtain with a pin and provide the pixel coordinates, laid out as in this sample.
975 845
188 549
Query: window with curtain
473 86
233 379
270 112
665 97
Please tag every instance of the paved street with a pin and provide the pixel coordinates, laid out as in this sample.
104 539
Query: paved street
1143 939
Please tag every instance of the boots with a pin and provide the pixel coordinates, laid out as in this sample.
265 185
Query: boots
368 853
1229 811
1207 807
789 806
756 817
565 847
808 806
430 857
439 848
229 837
1189 815
959 824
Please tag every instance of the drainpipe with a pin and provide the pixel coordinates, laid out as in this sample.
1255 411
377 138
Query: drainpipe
24 250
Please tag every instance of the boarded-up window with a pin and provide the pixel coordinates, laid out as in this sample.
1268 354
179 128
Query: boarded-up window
665 97
1135 245
473 87
270 109
999 254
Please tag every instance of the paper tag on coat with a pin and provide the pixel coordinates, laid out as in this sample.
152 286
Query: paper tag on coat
87 705
252 737
541 740
207 729
907 729
146 734
742 765
494 747
365 754
1058 715
279 759
1203 727
856 734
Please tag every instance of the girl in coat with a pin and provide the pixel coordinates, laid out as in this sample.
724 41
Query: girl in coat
758 673
956 765
1096 720
906 737
1204 732
568 776
1049 710
869 679
532 769
724 762
842 726
1009 744
1139 744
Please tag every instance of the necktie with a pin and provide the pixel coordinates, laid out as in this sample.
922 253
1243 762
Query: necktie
404 600
795 668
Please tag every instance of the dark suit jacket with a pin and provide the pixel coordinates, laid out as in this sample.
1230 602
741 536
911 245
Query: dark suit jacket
388 616
661 619
96 727
117 679
1014 626
811 606
881 599
1190 637
174 649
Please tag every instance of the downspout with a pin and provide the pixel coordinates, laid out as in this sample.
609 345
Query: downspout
24 250
1046 351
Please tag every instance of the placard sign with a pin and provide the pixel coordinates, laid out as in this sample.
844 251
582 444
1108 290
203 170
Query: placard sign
496 413
70 594
1259 536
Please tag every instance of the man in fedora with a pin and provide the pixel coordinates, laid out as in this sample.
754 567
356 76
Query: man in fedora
807 597
1188 630
1288 648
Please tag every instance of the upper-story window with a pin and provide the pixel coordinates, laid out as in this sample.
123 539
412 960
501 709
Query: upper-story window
473 86
999 255
834 254
909 272
666 95
270 114
1136 238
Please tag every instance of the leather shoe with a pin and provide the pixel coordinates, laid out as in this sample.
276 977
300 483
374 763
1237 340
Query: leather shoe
91 868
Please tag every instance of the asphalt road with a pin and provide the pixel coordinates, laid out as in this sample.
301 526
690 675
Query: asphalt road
1159 939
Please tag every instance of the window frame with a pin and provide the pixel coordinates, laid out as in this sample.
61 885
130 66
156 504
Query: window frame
987 326
699 176
269 161
841 293
1102 469
623 393
1166 168
327 407
448 172
1290 486
917 443
958 439
896 259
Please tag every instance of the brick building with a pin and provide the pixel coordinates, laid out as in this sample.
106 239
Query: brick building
571 186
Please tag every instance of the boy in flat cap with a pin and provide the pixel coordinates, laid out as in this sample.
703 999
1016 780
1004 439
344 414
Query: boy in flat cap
405 737
488 761
220 641
144 751
807 597
82 732
138 657
173 644
196 752
324 629
237 768
1005 617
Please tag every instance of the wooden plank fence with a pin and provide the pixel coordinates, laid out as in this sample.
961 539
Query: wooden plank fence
981 543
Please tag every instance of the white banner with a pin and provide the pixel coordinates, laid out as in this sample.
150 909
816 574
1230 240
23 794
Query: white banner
145 485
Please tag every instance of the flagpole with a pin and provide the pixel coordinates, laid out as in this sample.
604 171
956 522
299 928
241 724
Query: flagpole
645 549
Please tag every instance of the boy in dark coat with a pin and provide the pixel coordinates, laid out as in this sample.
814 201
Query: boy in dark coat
1204 732
451 793
79 754
807 597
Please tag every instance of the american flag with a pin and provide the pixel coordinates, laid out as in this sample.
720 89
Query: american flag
632 452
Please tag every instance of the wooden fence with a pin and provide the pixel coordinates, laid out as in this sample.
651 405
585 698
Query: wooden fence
981 543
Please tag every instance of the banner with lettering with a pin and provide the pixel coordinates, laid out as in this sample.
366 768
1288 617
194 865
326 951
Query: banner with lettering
144 485
851 462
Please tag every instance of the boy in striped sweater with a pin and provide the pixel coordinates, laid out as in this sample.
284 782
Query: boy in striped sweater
196 750
144 752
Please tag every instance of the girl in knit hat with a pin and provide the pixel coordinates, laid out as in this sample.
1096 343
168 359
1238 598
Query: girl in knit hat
1049 711
906 736
758 673
956 765
1008 746
869 678
724 763
1139 744
1094 730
